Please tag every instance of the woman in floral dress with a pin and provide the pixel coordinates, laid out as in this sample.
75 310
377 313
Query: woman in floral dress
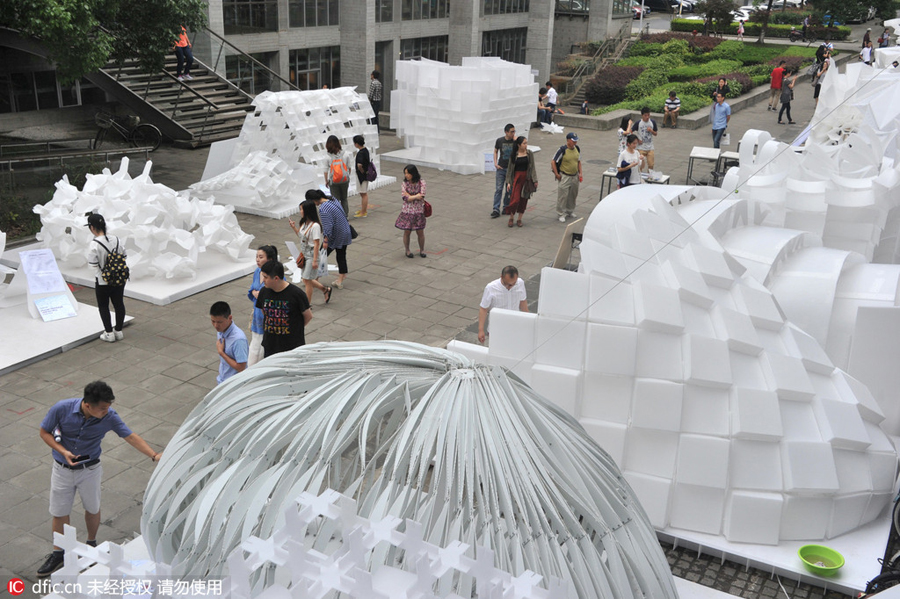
412 213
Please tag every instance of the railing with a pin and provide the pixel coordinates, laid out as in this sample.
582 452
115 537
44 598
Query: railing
244 56
609 47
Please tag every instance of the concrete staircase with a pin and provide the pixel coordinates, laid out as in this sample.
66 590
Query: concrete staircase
192 113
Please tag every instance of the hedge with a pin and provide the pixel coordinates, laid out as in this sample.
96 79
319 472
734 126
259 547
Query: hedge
644 85
608 85
751 29
713 67
663 62
655 101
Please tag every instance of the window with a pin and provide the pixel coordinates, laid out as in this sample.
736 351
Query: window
312 68
503 7
384 11
414 10
508 44
573 6
313 13
621 8
249 16
247 75
40 90
432 48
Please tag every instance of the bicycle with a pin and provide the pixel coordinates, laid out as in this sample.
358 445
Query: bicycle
890 575
809 37
140 135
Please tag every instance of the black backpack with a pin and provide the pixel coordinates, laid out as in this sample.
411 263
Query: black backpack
115 271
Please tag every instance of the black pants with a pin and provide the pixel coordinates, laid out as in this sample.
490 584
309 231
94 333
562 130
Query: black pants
376 108
185 58
785 106
116 295
341 258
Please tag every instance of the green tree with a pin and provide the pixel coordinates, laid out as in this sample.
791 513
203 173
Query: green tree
717 13
81 36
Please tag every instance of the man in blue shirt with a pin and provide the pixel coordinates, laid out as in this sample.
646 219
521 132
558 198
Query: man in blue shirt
74 428
231 342
720 115
335 229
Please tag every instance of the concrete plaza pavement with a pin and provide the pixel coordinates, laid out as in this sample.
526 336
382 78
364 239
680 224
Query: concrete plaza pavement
167 361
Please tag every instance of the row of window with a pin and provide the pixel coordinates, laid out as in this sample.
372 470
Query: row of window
40 90
254 16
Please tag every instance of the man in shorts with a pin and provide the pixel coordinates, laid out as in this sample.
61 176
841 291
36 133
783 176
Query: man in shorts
74 428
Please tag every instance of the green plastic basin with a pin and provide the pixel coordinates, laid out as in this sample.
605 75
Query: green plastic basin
820 559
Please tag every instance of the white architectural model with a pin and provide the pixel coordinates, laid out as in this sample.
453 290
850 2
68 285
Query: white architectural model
281 149
410 432
164 231
450 116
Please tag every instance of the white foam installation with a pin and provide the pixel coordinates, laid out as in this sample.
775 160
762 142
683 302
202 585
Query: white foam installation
450 116
720 411
317 570
408 431
281 148
164 231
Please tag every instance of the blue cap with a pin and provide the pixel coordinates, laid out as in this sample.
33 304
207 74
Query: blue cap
572 136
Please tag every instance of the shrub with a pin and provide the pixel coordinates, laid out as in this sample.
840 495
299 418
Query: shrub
676 47
608 85
644 49
752 54
655 101
752 29
662 62
790 62
727 50
738 83
645 84
713 67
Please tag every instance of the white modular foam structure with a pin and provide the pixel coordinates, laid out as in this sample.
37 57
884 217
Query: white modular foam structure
281 148
725 417
165 232
450 116
440 454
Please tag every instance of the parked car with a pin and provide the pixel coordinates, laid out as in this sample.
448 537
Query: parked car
636 9
684 6
740 15
830 21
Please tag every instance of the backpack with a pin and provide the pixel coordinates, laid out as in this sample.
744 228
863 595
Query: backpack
371 173
338 171
562 152
115 271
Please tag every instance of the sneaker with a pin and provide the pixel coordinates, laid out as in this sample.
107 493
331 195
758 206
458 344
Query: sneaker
562 219
360 214
572 215
54 562
91 543
495 214
188 77
119 335
180 77
108 337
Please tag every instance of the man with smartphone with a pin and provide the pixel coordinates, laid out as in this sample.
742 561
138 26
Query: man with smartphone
74 428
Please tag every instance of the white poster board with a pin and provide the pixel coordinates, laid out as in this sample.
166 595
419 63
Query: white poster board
48 296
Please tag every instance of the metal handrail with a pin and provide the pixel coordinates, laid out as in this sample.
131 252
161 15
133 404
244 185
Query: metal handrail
615 43
245 55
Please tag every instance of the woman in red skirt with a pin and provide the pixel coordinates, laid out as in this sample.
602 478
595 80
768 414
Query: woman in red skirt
521 179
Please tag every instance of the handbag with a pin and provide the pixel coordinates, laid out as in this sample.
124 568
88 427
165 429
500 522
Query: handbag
323 263
371 173
528 188
301 261
353 233
427 208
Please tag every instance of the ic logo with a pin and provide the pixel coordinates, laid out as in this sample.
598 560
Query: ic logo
15 586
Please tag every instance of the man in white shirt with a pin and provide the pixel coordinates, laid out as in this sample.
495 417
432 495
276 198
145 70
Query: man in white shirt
507 292
552 97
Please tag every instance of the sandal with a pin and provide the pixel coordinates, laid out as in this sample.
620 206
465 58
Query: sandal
519 224
509 224
409 255
423 254
327 294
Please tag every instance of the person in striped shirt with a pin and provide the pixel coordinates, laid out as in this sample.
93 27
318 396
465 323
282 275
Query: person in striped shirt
671 109
507 292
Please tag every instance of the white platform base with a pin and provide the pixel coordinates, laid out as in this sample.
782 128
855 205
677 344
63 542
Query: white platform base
861 550
25 340
213 269
415 156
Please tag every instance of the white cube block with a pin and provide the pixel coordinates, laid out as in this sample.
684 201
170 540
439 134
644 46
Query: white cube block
611 349
698 509
880 441
697 320
688 283
512 334
737 330
755 415
846 514
878 502
840 424
705 410
799 421
812 354
747 371
850 388
787 376
611 301
606 397
657 308
706 361
760 306
702 461
883 468
631 243
752 517
653 493
562 386
560 342
711 265
650 452
808 466
853 470
564 294
659 356
755 465
804 518
656 405
608 435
